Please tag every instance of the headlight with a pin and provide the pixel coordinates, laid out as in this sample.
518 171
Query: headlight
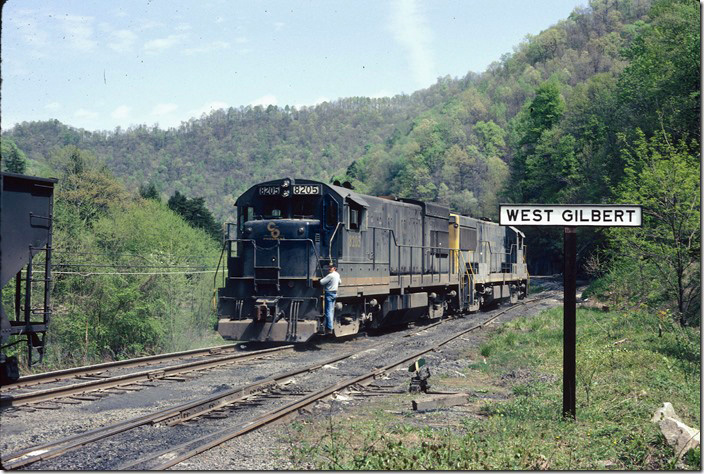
286 183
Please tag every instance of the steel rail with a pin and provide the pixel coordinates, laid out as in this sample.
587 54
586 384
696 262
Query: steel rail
180 453
56 448
191 409
73 372
127 379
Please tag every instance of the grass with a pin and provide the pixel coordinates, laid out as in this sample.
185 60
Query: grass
626 366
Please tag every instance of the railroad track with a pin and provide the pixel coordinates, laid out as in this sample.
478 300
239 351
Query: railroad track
94 389
215 406
168 458
98 369
172 415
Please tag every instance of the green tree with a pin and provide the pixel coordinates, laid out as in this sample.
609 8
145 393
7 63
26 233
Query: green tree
551 170
537 117
663 177
86 184
15 160
149 191
196 214
491 137
660 88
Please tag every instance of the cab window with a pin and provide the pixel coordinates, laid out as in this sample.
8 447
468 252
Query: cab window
356 217
330 212
244 214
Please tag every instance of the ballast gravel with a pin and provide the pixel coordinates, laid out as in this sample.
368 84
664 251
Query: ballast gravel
266 448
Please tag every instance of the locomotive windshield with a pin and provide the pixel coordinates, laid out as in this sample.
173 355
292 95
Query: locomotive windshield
274 207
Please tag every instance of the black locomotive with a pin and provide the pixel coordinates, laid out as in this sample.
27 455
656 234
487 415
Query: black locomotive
400 260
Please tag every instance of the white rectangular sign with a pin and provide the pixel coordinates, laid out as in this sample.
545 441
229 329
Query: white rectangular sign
571 215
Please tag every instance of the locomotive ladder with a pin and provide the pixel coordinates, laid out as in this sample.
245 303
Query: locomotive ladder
25 321
267 274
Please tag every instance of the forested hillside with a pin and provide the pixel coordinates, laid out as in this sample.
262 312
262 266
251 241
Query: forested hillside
601 107
220 155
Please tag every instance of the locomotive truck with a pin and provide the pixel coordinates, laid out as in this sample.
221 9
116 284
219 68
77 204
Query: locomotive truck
401 260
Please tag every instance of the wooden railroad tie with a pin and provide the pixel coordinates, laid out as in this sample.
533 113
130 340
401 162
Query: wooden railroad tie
440 401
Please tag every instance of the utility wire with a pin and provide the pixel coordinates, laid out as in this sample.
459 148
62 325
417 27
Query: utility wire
125 266
64 252
127 273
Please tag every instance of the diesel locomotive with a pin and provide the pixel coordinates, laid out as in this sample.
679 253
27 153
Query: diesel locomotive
400 260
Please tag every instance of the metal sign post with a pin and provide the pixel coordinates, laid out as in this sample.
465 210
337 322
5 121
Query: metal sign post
570 217
569 318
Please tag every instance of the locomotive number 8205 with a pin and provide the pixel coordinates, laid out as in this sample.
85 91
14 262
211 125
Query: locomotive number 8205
306 189
269 190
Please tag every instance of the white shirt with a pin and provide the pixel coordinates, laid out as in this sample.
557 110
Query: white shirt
331 281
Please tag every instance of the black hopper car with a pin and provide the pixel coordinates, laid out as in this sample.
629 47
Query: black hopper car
26 221
400 260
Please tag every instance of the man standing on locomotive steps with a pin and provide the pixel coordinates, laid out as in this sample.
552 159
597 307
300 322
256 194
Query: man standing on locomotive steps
331 281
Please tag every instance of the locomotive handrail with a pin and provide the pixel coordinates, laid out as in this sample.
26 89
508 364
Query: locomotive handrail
471 278
510 252
215 277
422 247
330 242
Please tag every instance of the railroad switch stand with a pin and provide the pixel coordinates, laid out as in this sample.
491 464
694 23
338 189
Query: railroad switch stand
419 381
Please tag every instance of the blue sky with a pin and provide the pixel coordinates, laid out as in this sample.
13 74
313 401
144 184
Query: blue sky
99 64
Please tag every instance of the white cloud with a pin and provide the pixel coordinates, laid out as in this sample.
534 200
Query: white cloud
264 101
122 41
279 25
183 27
122 112
411 31
241 40
219 20
161 44
207 48
78 31
52 106
164 109
85 114
207 108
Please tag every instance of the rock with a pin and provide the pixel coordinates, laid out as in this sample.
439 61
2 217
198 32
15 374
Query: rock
665 411
680 436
